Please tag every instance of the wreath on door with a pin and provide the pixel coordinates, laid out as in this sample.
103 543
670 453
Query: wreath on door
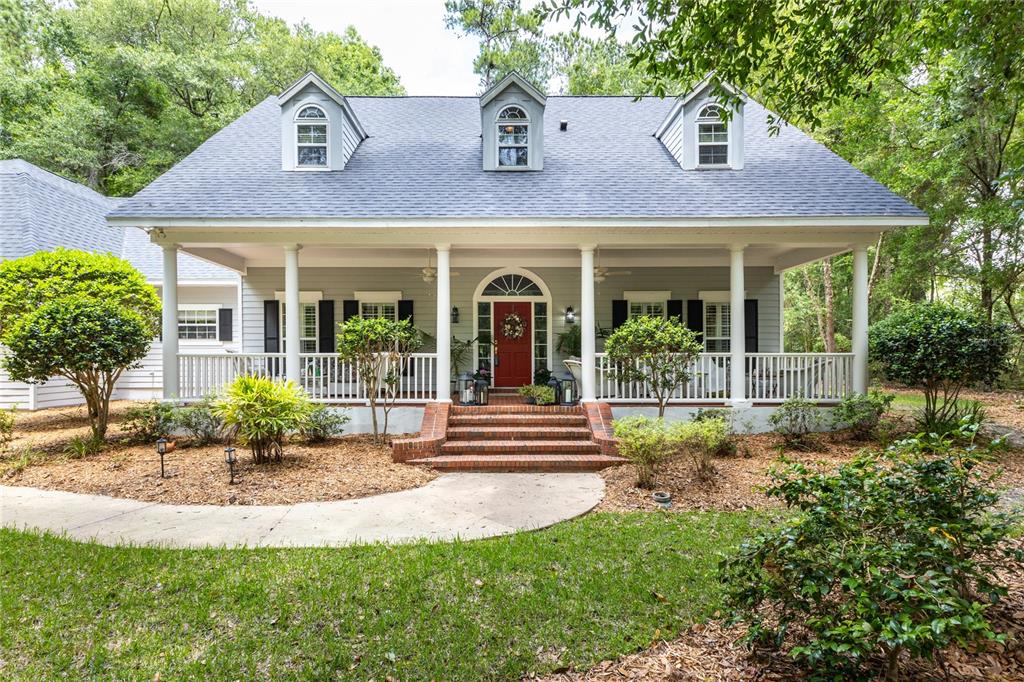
513 326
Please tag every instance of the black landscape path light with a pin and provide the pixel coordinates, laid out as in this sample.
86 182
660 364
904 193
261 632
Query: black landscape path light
161 449
229 457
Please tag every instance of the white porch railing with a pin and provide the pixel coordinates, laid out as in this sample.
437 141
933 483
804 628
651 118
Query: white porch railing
324 376
709 381
769 378
821 377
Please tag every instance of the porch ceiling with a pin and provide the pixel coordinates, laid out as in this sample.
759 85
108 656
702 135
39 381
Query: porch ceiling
240 256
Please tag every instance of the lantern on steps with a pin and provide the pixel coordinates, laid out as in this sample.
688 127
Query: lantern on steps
567 392
481 385
467 389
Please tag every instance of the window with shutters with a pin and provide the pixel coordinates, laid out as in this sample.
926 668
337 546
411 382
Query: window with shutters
387 310
717 327
309 325
197 323
649 303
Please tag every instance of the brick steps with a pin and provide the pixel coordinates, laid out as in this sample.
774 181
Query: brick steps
569 420
516 447
520 462
517 432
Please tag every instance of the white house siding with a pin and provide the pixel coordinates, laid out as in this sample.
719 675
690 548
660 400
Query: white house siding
339 284
12 393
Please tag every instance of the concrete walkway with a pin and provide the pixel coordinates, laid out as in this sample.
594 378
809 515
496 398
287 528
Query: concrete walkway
465 505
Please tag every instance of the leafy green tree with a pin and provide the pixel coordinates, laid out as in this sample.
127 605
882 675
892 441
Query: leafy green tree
510 38
88 341
941 350
381 349
29 282
48 323
114 92
655 351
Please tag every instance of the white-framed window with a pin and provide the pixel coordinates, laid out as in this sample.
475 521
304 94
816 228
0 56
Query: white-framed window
378 303
311 137
513 138
649 303
198 322
309 321
712 137
717 327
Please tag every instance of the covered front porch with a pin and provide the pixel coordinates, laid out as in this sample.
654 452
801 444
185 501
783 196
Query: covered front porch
514 308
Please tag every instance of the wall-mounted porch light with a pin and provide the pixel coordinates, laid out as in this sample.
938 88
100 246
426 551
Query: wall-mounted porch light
455 315
570 315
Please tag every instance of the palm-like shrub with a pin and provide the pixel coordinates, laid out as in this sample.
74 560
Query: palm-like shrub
262 412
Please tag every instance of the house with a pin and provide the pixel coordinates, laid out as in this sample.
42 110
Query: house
40 211
512 217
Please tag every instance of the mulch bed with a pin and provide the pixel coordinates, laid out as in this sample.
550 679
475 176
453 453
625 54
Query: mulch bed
1001 407
741 478
344 468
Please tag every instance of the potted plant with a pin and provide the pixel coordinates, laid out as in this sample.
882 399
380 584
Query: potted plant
529 393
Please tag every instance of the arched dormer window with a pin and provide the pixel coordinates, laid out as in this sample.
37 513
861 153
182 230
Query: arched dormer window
513 138
311 137
712 137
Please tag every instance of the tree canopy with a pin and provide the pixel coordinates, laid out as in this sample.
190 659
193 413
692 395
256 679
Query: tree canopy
114 92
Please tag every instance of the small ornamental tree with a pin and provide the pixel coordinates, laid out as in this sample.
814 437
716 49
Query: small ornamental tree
940 349
29 282
261 412
656 352
381 349
88 341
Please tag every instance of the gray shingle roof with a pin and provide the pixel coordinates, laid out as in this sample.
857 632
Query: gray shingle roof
40 211
423 159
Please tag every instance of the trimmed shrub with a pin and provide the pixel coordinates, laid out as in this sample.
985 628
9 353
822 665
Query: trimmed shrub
6 428
646 443
701 440
940 349
796 420
860 414
891 554
200 423
148 422
262 412
323 423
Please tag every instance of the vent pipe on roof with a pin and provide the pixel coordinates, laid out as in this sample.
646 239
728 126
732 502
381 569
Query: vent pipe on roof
563 125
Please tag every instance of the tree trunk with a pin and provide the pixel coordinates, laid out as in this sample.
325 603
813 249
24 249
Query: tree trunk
987 255
830 307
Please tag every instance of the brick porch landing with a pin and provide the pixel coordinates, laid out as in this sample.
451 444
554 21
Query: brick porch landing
512 436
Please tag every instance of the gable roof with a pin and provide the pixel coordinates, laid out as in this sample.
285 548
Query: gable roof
40 211
512 78
422 159
311 78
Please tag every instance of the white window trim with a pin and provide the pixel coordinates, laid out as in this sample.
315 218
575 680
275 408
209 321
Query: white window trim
647 297
200 342
697 143
304 296
498 123
715 296
325 121
378 296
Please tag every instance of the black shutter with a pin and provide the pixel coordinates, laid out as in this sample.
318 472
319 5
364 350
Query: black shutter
750 325
620 313
695 315
675 309
271 327
349 309
224 326
325 310
405 311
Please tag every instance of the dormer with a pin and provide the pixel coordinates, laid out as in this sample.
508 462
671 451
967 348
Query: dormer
512 125
319 130
700 133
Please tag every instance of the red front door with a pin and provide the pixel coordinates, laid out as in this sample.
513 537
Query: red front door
513 357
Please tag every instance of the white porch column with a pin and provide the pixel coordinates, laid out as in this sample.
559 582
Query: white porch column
292 364
444 323
587 322
860 319
169 346
737 335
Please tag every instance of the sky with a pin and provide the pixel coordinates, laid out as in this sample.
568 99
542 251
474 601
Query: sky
428 58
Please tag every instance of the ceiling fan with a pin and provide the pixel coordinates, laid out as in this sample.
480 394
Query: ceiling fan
429 273
600 273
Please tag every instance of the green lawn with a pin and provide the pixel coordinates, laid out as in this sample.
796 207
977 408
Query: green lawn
600 586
